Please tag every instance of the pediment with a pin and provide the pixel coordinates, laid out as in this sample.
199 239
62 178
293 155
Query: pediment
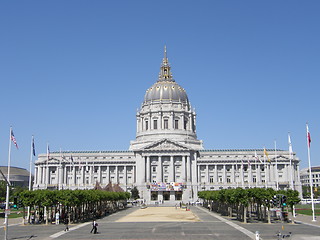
165 145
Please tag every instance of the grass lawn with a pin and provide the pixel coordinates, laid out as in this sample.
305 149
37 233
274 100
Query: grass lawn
306 209
14 213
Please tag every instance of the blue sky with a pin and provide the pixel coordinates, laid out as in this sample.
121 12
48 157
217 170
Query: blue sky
73 73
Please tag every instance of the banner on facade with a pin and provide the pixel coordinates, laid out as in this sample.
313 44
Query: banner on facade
162 186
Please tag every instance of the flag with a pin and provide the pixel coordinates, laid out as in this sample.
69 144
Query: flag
33 147
266 154
71 159
249 162
256 157
290 145
80 165
308 136
13 139
48 152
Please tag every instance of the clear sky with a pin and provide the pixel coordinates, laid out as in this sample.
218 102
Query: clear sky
73 73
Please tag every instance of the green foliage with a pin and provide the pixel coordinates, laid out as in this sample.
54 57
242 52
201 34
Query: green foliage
135 193
245 196
70 198
3 190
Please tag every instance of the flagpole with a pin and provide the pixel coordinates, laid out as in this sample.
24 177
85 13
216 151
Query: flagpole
59 171
256 158
265 168
310 174
250 173
291 170
291 161
242 175
237 171
8 189
30 176
255 161
47 170
276 159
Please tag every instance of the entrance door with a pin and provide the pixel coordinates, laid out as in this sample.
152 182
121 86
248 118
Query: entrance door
166 196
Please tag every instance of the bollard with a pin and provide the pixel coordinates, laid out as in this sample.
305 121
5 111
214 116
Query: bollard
257 235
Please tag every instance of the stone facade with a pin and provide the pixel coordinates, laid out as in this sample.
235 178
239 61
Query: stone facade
166 161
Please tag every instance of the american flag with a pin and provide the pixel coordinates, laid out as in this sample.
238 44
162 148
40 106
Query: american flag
13 139
33 147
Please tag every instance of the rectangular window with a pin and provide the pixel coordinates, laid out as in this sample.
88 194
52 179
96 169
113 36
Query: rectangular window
165 123
176 124
155 124
166 179
211 179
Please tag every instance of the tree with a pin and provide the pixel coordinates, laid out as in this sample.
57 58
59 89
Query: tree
3 190
135 193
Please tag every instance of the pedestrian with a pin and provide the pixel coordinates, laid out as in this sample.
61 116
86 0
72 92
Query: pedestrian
66 223
57 217
32 218
94 227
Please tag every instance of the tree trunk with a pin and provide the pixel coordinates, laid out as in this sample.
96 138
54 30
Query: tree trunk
269 215
244 214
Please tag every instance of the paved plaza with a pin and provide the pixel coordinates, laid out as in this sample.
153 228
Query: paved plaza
168 223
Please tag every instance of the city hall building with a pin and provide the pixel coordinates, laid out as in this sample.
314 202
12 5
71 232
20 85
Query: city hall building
166 161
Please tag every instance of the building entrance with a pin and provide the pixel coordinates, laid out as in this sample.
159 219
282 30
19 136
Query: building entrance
166 196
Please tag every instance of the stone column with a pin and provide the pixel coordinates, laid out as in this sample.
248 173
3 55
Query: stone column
207 174
183 170
188 169
216 172
138 127
224 174
148 169
233 174
125 175
160 174
194 169
39 180
47 175
91 174
108 174
99 174
258 173
171 170
116 174
60 177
